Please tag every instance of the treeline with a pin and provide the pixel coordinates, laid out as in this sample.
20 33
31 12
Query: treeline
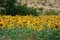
12 7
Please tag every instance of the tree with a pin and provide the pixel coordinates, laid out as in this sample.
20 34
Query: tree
2 6
11 7
8 6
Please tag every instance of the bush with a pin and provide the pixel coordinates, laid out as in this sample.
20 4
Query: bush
11 11
24 10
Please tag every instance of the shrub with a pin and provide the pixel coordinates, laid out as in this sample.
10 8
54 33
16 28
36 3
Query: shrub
24 10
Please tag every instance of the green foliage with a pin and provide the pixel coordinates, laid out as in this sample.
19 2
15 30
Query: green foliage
11 7
48 34
24 10
2 3
8 7
29 34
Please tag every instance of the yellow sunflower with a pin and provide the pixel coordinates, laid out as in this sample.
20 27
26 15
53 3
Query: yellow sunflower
27 23
40 28
11 26
19 24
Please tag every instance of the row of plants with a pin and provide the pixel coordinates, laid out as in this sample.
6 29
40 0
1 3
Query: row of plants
29 34
37 22
30 27
24 10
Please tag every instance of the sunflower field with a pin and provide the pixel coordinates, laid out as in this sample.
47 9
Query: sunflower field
19 22
18 27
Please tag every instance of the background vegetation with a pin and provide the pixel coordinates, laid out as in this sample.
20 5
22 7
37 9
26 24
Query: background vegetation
11 7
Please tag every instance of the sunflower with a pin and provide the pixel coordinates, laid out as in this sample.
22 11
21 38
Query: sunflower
27 23
0 16
24 17
40 28
8 18
56 26
2 24
14 19
11 22
56 17
33 22
49 24
1 20
34 28
19 24
17 17
11 26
